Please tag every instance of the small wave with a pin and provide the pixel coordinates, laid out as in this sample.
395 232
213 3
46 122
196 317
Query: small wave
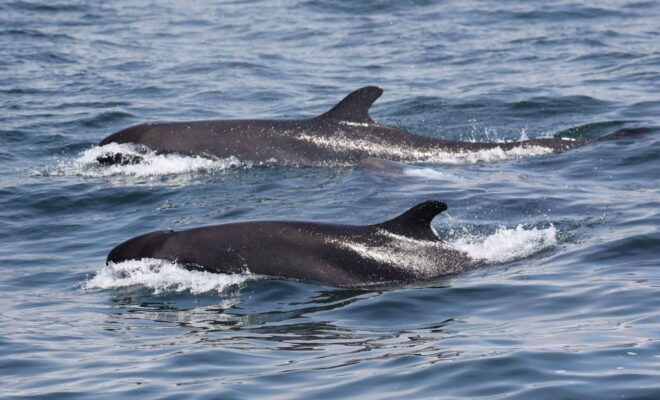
162 276
152 164
507 244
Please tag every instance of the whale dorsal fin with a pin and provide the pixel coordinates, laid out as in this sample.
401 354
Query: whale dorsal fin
355 106
416 222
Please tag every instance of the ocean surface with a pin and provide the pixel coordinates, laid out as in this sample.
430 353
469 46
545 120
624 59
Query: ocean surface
566 306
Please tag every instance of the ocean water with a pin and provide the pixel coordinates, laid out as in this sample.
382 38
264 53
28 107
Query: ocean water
566 306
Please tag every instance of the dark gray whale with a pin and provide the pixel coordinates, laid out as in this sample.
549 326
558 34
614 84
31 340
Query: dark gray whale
342 136
402 249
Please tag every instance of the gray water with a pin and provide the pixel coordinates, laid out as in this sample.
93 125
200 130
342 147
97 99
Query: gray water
567 307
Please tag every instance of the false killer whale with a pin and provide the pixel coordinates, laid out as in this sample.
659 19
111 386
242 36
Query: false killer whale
342 136
405 248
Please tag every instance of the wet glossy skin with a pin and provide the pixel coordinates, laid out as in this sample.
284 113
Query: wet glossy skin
403 249
344 135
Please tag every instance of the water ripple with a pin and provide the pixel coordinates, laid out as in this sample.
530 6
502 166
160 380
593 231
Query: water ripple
567 307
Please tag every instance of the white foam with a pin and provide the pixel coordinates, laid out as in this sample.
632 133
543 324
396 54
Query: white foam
427 173
507 244
162 276
339 142
152 164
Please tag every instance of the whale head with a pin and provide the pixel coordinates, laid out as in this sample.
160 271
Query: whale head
143 246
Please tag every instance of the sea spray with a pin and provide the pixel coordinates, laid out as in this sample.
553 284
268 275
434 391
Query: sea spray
162 276
151 165
507 244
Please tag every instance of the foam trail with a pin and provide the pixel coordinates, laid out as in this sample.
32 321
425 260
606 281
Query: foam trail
152 164
507 244
162 276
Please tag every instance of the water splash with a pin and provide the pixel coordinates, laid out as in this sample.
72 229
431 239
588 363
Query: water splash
162 276
507 244
152 164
